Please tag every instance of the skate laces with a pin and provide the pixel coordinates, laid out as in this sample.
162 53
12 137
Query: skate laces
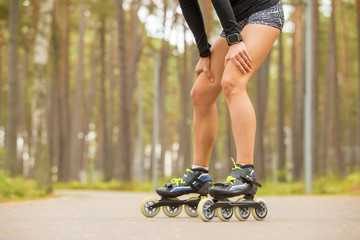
231 179
180 180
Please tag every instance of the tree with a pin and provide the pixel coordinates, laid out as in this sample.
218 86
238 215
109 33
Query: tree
315 85
1 78
54 110
107 164
358 106
40 148
76 118
62 18
280 109
262 86
12 163
336 124
90 103
298 87
124 143
164 56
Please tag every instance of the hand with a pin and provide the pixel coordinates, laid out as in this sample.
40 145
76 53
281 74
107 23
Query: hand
239 55
203 65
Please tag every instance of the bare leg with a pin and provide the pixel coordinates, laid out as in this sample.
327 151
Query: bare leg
258 39
203 97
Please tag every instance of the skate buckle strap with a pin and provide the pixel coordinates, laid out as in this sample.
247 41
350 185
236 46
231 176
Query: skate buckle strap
191 178
241 173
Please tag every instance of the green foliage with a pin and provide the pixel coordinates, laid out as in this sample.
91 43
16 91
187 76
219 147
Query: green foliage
111 185
18 188
4 9
349 185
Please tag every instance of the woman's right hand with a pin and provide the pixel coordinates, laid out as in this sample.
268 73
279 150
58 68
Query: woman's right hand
203 65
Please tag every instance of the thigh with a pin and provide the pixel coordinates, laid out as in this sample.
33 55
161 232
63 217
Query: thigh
203 87
259 40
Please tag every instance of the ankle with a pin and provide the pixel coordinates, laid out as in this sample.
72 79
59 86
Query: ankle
200 168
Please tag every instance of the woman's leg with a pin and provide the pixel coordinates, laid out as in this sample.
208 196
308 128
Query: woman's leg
203 96
258 39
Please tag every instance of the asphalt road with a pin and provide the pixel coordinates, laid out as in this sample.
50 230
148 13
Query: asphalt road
116 215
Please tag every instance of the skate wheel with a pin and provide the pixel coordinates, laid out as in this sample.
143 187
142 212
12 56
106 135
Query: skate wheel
242 213
260 214
146 207
224 213
172 211
204 209
191 211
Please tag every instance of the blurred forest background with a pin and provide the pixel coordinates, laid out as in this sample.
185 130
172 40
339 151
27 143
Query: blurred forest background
77 91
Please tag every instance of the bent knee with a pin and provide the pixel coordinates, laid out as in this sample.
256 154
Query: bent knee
233 86
204 95
199 97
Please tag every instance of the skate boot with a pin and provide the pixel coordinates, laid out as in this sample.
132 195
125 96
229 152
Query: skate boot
196 181
242 181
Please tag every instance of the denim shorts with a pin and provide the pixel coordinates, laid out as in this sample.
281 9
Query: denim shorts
272 16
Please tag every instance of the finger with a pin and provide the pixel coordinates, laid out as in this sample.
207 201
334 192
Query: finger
238 65
246 59
248 56
244 64
198 72
209 76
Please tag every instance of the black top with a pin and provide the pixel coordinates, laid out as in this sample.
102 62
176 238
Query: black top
229 13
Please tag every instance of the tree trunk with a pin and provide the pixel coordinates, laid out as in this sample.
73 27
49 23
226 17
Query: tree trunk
135 47
162 96
329 118
106 160
12 163
125 143
262 83
298 95
88 113
315 86
185 82
1 82
40 150
112 88
76 128
54 116
358 105
336 124
280 109
62 17
164 59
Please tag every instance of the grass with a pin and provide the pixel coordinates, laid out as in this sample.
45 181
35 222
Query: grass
333 185
111 185
349 185
18 188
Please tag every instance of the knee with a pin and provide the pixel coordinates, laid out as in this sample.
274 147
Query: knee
196 96
231 86
201 96
227 86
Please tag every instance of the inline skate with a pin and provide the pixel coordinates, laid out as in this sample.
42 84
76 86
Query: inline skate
242 181
196 181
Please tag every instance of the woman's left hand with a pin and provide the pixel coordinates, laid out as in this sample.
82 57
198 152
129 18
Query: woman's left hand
239 55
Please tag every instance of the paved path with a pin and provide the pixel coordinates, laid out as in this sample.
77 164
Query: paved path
116 215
